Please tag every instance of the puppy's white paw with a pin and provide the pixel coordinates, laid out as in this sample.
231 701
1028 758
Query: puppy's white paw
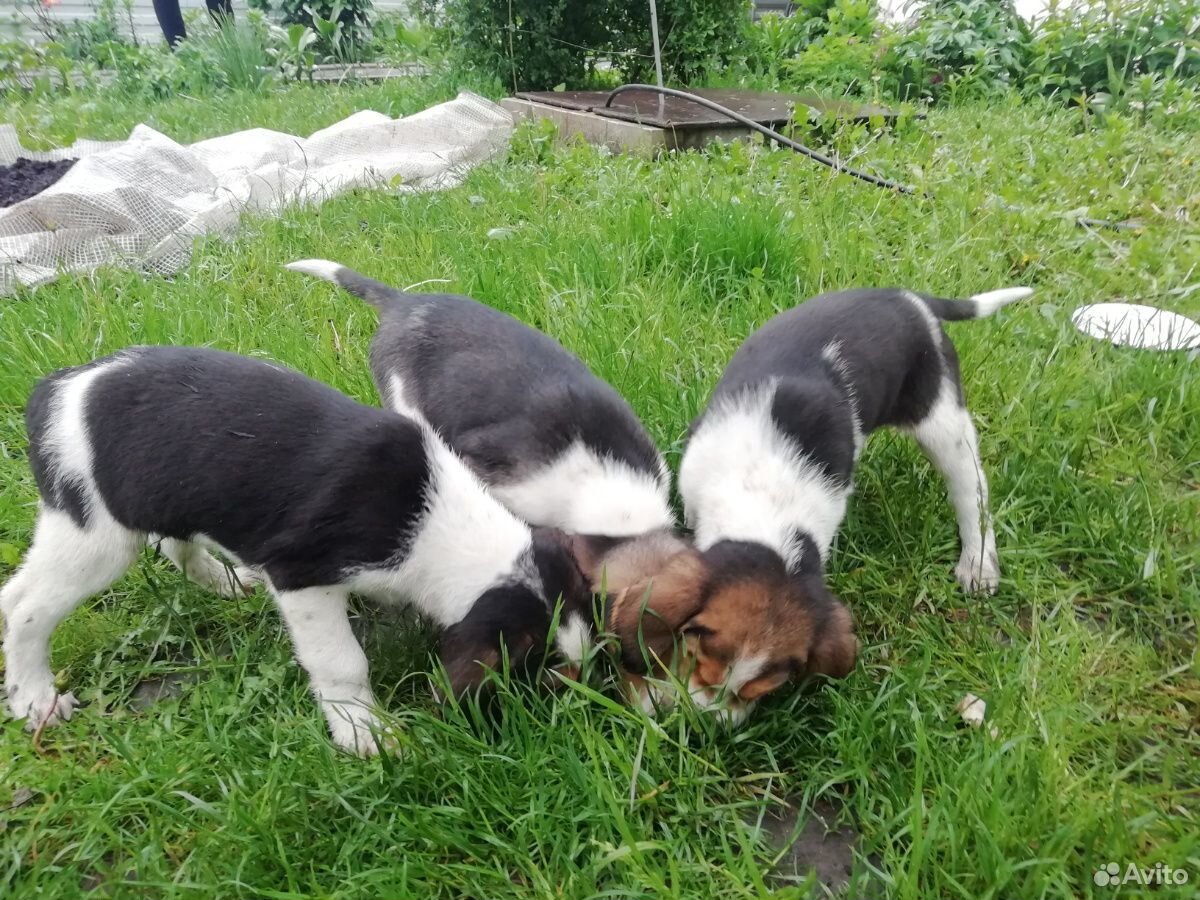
978 574
40 707
245 580
359 732
650 696
728 709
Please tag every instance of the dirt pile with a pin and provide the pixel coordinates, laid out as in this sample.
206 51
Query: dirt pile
27 177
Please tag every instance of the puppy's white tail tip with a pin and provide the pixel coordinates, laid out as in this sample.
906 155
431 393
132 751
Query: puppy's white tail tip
321 268
990 301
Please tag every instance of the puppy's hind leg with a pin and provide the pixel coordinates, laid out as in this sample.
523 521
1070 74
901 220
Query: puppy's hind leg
65 565
204 569
948 438
336 665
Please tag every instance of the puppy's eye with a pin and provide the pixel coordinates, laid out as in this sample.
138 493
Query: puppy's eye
695 629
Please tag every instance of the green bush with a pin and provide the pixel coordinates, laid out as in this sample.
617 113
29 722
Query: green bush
775 39
844 55
343 27
81 39
961 46
1102 45
698 37
538 44
233 53
528 44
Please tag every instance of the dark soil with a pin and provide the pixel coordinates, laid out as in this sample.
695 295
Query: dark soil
27 177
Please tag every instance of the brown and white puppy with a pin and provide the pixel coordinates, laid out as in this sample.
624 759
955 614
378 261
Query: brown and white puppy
767 474
556 445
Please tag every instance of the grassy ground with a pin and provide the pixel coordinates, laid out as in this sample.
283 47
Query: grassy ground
653 273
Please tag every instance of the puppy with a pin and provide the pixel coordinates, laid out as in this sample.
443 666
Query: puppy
766 476
554 443
191 449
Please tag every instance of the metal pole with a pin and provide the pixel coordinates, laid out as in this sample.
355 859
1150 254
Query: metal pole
657 53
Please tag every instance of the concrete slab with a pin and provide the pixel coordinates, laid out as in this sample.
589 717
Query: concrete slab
647 107
622 136
616 134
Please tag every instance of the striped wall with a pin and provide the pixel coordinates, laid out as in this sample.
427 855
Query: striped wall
15 15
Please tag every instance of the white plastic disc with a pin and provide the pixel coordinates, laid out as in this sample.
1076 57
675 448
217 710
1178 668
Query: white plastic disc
1133 325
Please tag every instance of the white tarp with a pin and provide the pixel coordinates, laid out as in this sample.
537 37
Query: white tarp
143 201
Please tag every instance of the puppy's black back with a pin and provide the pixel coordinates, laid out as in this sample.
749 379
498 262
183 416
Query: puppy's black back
876 343
281 470
504 395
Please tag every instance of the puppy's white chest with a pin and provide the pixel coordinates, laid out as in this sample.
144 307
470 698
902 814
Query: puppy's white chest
743 479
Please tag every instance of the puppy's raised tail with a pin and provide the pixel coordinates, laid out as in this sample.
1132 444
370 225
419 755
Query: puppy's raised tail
374 292
977 306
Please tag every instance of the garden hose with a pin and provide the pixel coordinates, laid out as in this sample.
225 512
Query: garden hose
768 133
826 160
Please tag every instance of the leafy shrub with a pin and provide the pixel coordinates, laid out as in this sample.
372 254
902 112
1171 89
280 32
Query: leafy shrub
25 66
528 44
844 55
533 44
1091 46
80 39
961 46
342 27
775 39
234 52
697 37
292 51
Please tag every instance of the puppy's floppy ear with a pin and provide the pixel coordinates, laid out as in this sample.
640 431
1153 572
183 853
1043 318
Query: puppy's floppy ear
834 648
646 616
508 622
589 552
558 566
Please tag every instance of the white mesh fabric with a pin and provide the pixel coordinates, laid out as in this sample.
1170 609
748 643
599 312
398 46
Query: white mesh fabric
143 201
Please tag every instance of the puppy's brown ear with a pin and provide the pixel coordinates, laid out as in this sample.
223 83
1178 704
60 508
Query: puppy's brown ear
646 616
469 662
834 647
589 551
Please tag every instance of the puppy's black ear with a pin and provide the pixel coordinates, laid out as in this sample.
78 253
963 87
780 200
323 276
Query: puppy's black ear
508 622
833 648
562 577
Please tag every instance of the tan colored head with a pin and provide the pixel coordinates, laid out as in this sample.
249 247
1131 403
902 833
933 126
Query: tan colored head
731 623
739 625
654 583
756 633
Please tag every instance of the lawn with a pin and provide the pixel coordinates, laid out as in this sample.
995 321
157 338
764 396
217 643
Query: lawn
653 273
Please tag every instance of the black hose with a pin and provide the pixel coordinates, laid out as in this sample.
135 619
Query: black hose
768 133
825 160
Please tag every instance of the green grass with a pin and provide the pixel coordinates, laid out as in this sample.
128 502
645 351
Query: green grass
653 273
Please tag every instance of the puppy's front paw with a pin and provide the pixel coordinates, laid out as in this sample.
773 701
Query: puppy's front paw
41 707
359 732
650 697
978 574
245 580
728 709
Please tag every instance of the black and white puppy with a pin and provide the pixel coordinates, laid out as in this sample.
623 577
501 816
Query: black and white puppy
555 444
767 474
194 449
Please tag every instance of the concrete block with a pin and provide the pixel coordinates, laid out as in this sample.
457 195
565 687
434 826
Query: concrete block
618 136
